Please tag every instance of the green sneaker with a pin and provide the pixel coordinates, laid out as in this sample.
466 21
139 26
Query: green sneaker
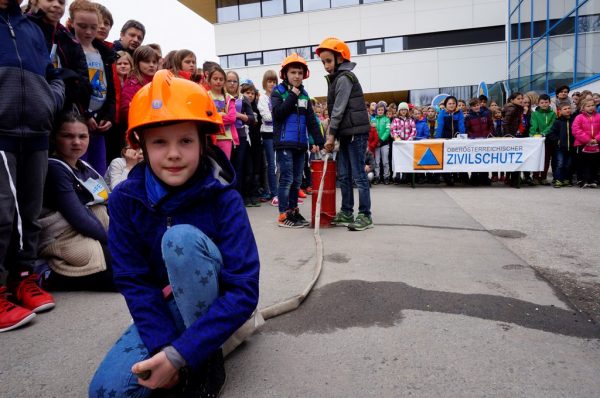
361 223
557 184
343 218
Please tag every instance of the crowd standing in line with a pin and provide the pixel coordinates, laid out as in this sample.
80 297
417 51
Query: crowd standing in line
71 94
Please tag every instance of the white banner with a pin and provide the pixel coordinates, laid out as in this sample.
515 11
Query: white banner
463 155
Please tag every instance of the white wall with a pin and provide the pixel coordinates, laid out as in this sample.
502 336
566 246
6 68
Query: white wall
408 70
393 18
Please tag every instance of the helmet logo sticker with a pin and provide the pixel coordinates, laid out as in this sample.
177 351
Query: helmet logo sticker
157 104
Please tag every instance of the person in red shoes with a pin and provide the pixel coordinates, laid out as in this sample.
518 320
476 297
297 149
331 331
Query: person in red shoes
25 123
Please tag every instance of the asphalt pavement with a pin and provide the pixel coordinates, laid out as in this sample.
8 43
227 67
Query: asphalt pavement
456 292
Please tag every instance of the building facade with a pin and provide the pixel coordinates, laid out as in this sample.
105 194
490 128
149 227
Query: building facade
414 49
553 43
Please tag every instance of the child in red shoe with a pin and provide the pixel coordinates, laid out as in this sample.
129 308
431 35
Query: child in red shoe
25 123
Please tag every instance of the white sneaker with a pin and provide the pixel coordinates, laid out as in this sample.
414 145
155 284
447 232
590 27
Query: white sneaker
275 201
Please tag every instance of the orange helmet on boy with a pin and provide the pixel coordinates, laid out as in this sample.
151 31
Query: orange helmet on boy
294 59
171 99
335 45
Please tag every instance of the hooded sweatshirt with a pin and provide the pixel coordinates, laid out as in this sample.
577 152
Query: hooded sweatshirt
31 91
541 121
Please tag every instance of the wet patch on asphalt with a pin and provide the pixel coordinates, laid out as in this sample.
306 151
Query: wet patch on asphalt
584 295
507 233
512 267
354 303
338 258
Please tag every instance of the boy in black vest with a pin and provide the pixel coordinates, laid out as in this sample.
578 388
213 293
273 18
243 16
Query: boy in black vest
349 122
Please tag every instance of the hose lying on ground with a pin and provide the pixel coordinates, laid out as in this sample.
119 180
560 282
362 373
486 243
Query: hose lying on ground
259 316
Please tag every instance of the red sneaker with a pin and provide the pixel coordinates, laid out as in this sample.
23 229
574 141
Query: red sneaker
301 194
33 297
12 316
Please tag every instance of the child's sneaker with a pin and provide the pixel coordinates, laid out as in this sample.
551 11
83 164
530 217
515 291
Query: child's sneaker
309 190
361 223
265 197
557 184
12 316
299 217
567 183
300 201
275 201
342 218
31 296
287 220
301 193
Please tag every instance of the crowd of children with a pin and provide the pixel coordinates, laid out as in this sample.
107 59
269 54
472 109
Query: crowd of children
570 125
66 158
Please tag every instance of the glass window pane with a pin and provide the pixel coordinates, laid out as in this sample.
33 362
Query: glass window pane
227 10
272 7
371 1
538 64
249 9
304 52
353 47
310 5
292 6
588 43
394 44
253 59
223 62
236 61
561 50
341 3
373 46
273 57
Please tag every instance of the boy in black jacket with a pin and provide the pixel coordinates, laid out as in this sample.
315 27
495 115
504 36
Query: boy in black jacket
31 96
561 136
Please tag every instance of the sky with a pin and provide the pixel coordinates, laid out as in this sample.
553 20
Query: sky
168 23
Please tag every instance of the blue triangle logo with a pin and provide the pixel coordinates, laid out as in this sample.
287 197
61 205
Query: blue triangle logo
429 159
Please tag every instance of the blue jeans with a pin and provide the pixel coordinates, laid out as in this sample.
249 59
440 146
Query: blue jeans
351 167
291 166
563 164
270 155
194 277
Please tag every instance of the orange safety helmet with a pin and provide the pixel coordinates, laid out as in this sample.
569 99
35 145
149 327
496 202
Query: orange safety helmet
336 45
291 59
171 99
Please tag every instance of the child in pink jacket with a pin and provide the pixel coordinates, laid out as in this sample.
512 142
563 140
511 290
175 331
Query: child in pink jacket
586 130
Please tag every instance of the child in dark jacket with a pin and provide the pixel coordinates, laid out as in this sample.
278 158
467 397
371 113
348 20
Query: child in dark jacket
561 137
293 121
479 125
184 255
75 221
31 96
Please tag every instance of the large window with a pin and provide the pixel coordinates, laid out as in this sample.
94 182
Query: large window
553 42
234 10
382 45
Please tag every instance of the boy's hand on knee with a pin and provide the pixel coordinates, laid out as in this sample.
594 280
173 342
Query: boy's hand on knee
163 373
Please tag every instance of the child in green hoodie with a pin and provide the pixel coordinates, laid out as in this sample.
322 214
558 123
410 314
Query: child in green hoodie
382 124
541 123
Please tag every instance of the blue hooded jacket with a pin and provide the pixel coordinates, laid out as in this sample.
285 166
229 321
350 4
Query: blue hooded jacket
422 129
31 91
141 209
450 124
